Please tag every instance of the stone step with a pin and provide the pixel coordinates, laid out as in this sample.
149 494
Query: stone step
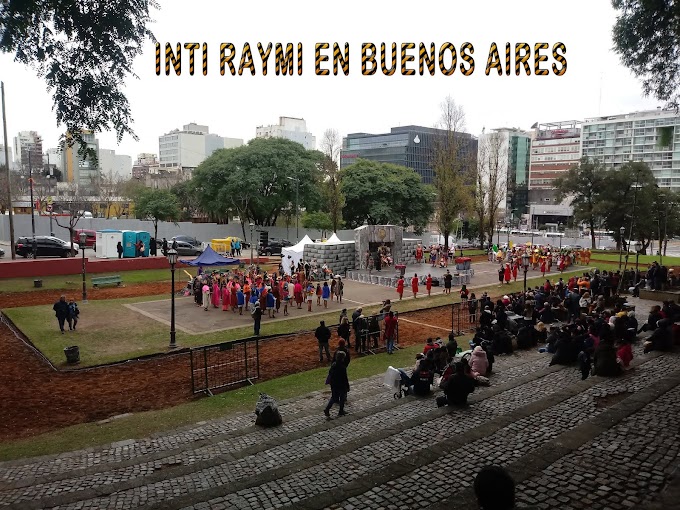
535 432
380 465
318 471
146 470
32 471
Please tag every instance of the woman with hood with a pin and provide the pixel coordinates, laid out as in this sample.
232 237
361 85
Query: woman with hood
479 364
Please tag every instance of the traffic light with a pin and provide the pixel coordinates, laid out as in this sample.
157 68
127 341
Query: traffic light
264 238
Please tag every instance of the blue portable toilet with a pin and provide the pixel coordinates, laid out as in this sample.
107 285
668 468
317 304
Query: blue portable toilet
129 240
144 237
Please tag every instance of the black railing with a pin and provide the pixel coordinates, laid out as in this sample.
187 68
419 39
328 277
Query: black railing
226 364
465 316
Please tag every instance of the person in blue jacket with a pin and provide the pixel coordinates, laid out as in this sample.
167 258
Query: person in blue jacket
254 299
240 300
271 304
325 294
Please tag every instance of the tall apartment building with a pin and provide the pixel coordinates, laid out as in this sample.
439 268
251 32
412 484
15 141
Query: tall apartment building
290 128
649 136
79 169
115 166
511 146
409 146
55 158
187 148
2 156
28 148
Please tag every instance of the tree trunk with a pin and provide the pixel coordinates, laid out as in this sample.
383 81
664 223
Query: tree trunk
593 246
155 232
446 241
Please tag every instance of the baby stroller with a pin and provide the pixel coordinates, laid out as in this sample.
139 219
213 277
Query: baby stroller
397 380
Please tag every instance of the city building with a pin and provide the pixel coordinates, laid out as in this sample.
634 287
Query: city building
510 146
290 128
185 149
28 150
409 146
115 166
55 158
649 136
146 163
81 169
2 156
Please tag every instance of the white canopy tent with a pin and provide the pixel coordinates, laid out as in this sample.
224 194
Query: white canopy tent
294 253
334 239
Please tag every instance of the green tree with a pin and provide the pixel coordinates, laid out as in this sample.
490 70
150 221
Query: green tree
453 162
647 39
383 193
188 201
318 220
258 181
335 201
584 185
84 50
157 205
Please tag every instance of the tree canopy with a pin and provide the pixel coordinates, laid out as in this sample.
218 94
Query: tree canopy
84 50
647 39
383 193
157 205
258 180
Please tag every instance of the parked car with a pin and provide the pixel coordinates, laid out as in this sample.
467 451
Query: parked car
185 248
91 238
185 239
2 252
274 247
46 246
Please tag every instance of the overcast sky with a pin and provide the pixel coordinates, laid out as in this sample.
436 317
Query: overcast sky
595 82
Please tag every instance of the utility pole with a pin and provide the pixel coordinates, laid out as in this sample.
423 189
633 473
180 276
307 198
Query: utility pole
9 186
30 182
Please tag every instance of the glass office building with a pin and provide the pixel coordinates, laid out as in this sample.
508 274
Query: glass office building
409 146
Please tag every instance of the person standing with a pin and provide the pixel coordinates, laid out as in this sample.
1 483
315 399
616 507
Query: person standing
507 274
344 330
356 325
138 248
414 285
323 336
73 314
61 311
428 284
390 331
164 247
119 249
206 295
337 378
325 294
152 247
142 249
448 279
400 287
257 319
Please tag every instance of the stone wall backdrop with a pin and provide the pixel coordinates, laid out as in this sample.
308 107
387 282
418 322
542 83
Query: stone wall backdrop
337 257
408 251
391 235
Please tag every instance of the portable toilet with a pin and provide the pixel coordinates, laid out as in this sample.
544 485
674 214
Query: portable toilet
129 241
107 243
144 237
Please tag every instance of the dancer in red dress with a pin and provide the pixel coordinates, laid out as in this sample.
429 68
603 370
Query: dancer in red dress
508 273
414 285
400 287
428 284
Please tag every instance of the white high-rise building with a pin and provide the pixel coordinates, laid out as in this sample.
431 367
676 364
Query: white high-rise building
649 136
28 143
290 128
189 147
54 157
2 156
115 166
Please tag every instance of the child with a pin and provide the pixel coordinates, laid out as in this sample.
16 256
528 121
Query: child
73 314
325 294
240 300
463 294
318 294
310 296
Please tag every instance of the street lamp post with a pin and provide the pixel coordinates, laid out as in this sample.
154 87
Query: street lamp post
638 248
252 241
30 182
83 241
9 186
622 231
498 235
172 258
559 231
297 205
525 265
507 226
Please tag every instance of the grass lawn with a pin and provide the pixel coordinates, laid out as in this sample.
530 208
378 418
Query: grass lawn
644 259
140 335
143 424
74 281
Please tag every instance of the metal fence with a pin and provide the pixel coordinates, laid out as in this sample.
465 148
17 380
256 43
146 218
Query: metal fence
372 334
465 316
221 365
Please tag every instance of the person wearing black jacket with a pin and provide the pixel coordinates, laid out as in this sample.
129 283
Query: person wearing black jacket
460 385
356 325
344 331
61 310
337 378
323 336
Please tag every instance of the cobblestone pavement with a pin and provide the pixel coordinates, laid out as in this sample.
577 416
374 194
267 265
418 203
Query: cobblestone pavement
598 443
